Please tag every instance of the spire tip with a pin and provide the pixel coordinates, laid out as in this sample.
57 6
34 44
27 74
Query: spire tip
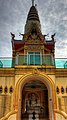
32 2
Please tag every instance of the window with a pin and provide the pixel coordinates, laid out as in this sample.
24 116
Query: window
1 64
1 89
65 64
62 90
11 90
5 89
57 90
34 58
66 89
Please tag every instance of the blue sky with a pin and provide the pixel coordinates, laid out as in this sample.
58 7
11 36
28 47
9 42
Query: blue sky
53 18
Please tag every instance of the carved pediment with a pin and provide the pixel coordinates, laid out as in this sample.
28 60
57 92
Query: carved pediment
34 47
34 39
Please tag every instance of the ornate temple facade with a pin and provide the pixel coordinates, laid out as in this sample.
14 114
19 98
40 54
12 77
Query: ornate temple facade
33 88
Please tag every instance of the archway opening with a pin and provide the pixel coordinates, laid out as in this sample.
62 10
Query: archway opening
34 99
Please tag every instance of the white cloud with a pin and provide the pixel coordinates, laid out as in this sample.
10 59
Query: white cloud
53 17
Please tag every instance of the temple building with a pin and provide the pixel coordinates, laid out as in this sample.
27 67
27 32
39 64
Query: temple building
33 88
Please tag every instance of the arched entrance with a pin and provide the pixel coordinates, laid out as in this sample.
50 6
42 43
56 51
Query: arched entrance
35 92
34 99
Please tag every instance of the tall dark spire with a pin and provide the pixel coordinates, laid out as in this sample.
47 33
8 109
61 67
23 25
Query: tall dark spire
33 14
32 17
32 2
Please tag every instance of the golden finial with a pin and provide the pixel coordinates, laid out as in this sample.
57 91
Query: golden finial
32 2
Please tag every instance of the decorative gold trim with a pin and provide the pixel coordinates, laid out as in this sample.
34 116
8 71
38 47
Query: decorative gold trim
23 80
35 71
8 115
61 113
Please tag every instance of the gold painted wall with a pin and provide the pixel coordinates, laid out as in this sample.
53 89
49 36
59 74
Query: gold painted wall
6 97
10 77
61 83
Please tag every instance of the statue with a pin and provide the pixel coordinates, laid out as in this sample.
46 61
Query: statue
52 36
13 35
21 34
45 35
24 36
